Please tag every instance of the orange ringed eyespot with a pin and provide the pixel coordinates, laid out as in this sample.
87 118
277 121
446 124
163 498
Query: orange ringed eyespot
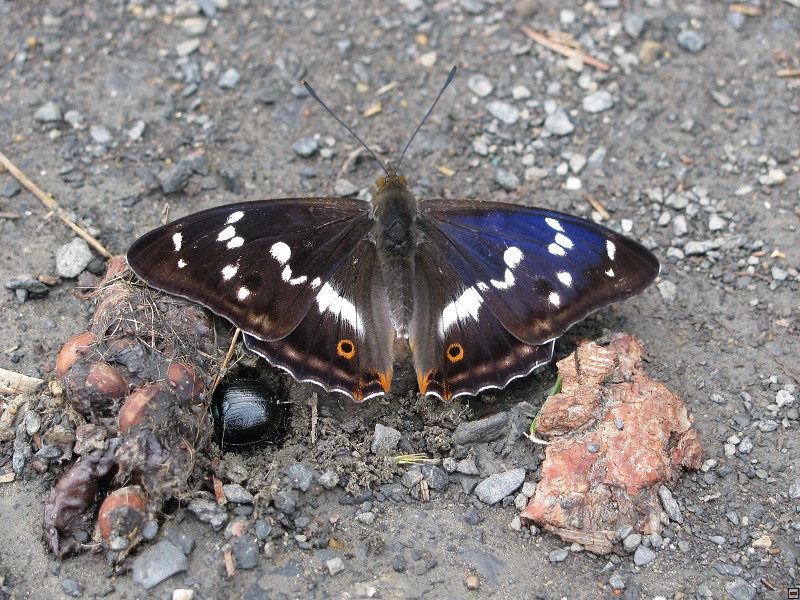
346 349
455 352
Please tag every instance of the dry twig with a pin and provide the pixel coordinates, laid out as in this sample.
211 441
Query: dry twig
12 382
545 41
50 203
596 205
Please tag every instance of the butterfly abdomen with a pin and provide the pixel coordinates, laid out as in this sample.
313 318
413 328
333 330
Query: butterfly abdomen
395 213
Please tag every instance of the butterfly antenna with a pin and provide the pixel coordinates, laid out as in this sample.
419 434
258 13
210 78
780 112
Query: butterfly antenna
313 94
428 114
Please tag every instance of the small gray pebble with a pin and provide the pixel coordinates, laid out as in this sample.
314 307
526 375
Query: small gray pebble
616 582
12 188
245 551
150 529
506 180
72 588
729 570
208 511
598 102
498 486
366 517
301 476
100 134
305 147
480 85
32 421
208 7
633 23
482 430
329 480
670 505
335 565
692 41
623 531
48 113
73 258
767 426
643 556
263 529
237 494
344 188
435 476
745 446
739 589
157 563
557 556
794 491
385 439
503 111
632 542
229 79
411 478
468 466
716 223
559 124
717 539
285 501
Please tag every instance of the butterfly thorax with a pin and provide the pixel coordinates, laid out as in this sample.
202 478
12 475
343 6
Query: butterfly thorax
394 210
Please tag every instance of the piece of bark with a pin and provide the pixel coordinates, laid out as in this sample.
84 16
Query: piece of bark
617 437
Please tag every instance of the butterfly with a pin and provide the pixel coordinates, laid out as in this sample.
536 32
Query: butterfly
322 287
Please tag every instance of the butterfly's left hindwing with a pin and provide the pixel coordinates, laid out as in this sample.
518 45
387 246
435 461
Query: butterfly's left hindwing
344 345
298 276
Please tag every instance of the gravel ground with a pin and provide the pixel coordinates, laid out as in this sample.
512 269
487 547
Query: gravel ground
690 141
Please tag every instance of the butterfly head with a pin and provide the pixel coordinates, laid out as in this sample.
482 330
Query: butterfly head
392 181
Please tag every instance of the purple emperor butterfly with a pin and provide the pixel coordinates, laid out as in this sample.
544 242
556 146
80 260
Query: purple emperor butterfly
321 287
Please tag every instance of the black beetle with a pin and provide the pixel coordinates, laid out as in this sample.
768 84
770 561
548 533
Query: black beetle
247 412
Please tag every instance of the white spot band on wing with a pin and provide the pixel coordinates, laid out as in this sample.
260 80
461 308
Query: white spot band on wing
553 223
235 243
226 233
177 239
563 240
229 271
328 299
234 217
512 257
464 307
281 252
611 249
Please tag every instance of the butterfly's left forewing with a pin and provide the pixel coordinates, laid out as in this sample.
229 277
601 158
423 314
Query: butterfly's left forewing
259 264
297 276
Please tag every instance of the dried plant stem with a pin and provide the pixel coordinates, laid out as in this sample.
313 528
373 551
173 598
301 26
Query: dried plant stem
50 203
